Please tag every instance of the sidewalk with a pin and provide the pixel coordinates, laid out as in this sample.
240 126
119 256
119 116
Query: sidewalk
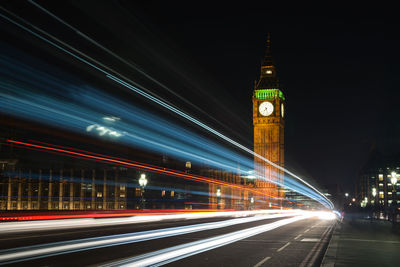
360 242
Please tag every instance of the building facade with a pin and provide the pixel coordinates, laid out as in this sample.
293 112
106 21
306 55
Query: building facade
269 125
379 181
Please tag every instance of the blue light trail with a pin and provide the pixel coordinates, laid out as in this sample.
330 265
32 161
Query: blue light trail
182 150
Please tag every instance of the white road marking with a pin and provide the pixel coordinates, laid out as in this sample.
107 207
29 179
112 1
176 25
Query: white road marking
307 230
262 262
298 236
171 254
37 251
282 248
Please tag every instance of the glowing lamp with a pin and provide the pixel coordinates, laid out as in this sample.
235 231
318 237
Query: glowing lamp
393 178
218 192
142 180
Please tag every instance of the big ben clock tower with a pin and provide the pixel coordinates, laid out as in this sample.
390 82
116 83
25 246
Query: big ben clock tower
269 125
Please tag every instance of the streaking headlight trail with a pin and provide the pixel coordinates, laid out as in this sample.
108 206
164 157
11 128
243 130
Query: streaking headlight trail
46 250
171 254
222 163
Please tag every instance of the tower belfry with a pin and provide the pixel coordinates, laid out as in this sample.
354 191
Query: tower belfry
269 124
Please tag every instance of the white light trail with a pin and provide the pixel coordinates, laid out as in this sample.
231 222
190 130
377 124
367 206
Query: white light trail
175 253
28 226
46 250
326 203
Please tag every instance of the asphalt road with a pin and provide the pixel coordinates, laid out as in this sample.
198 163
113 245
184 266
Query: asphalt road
299 243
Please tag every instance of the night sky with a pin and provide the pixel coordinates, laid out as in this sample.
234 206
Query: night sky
337 70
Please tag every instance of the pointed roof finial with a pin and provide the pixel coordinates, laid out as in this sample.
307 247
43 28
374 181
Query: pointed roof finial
268 58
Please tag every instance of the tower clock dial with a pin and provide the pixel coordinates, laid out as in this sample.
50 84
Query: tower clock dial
266 108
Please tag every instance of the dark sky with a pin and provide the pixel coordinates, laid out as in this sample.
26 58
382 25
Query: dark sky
337 70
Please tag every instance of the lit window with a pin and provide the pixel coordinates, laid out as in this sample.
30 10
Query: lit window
380 185
122 187
380 177
138 192
188 165
99 194
389 193
163 193
381 194
172 193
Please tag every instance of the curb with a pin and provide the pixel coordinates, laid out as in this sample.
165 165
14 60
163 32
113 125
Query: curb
329 258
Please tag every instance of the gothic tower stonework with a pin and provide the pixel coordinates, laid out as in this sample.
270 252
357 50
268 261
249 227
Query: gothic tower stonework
269 125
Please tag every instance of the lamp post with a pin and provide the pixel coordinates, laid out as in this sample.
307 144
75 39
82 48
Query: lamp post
374 205
218 198
252 203
393 180
142 183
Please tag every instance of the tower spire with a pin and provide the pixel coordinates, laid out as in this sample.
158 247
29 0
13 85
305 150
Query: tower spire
268 58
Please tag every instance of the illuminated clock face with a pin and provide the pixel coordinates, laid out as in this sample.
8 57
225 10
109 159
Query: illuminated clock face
266 108
282 110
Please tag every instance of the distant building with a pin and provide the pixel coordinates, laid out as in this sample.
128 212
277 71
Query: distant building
375 186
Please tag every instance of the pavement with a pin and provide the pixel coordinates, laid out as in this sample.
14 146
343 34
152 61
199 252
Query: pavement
363 242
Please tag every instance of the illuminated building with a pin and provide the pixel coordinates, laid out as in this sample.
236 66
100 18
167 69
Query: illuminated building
225 197
375 181
268 121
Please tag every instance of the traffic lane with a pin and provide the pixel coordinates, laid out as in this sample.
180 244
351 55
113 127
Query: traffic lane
100 255
288 245
14 240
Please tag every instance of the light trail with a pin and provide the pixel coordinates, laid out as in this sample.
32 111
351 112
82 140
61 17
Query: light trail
326 202
75 116
146 167
130 64
39 251
135 217
175 253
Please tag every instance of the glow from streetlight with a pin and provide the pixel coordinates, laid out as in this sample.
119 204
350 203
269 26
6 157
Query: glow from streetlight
143 180
393 178
218 192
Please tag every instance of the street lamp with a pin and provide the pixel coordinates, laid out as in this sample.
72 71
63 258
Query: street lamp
218 192
374 192
142 183
346 194
374 204
393 179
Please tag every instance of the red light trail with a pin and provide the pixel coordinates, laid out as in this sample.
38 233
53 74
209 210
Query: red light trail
132 164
